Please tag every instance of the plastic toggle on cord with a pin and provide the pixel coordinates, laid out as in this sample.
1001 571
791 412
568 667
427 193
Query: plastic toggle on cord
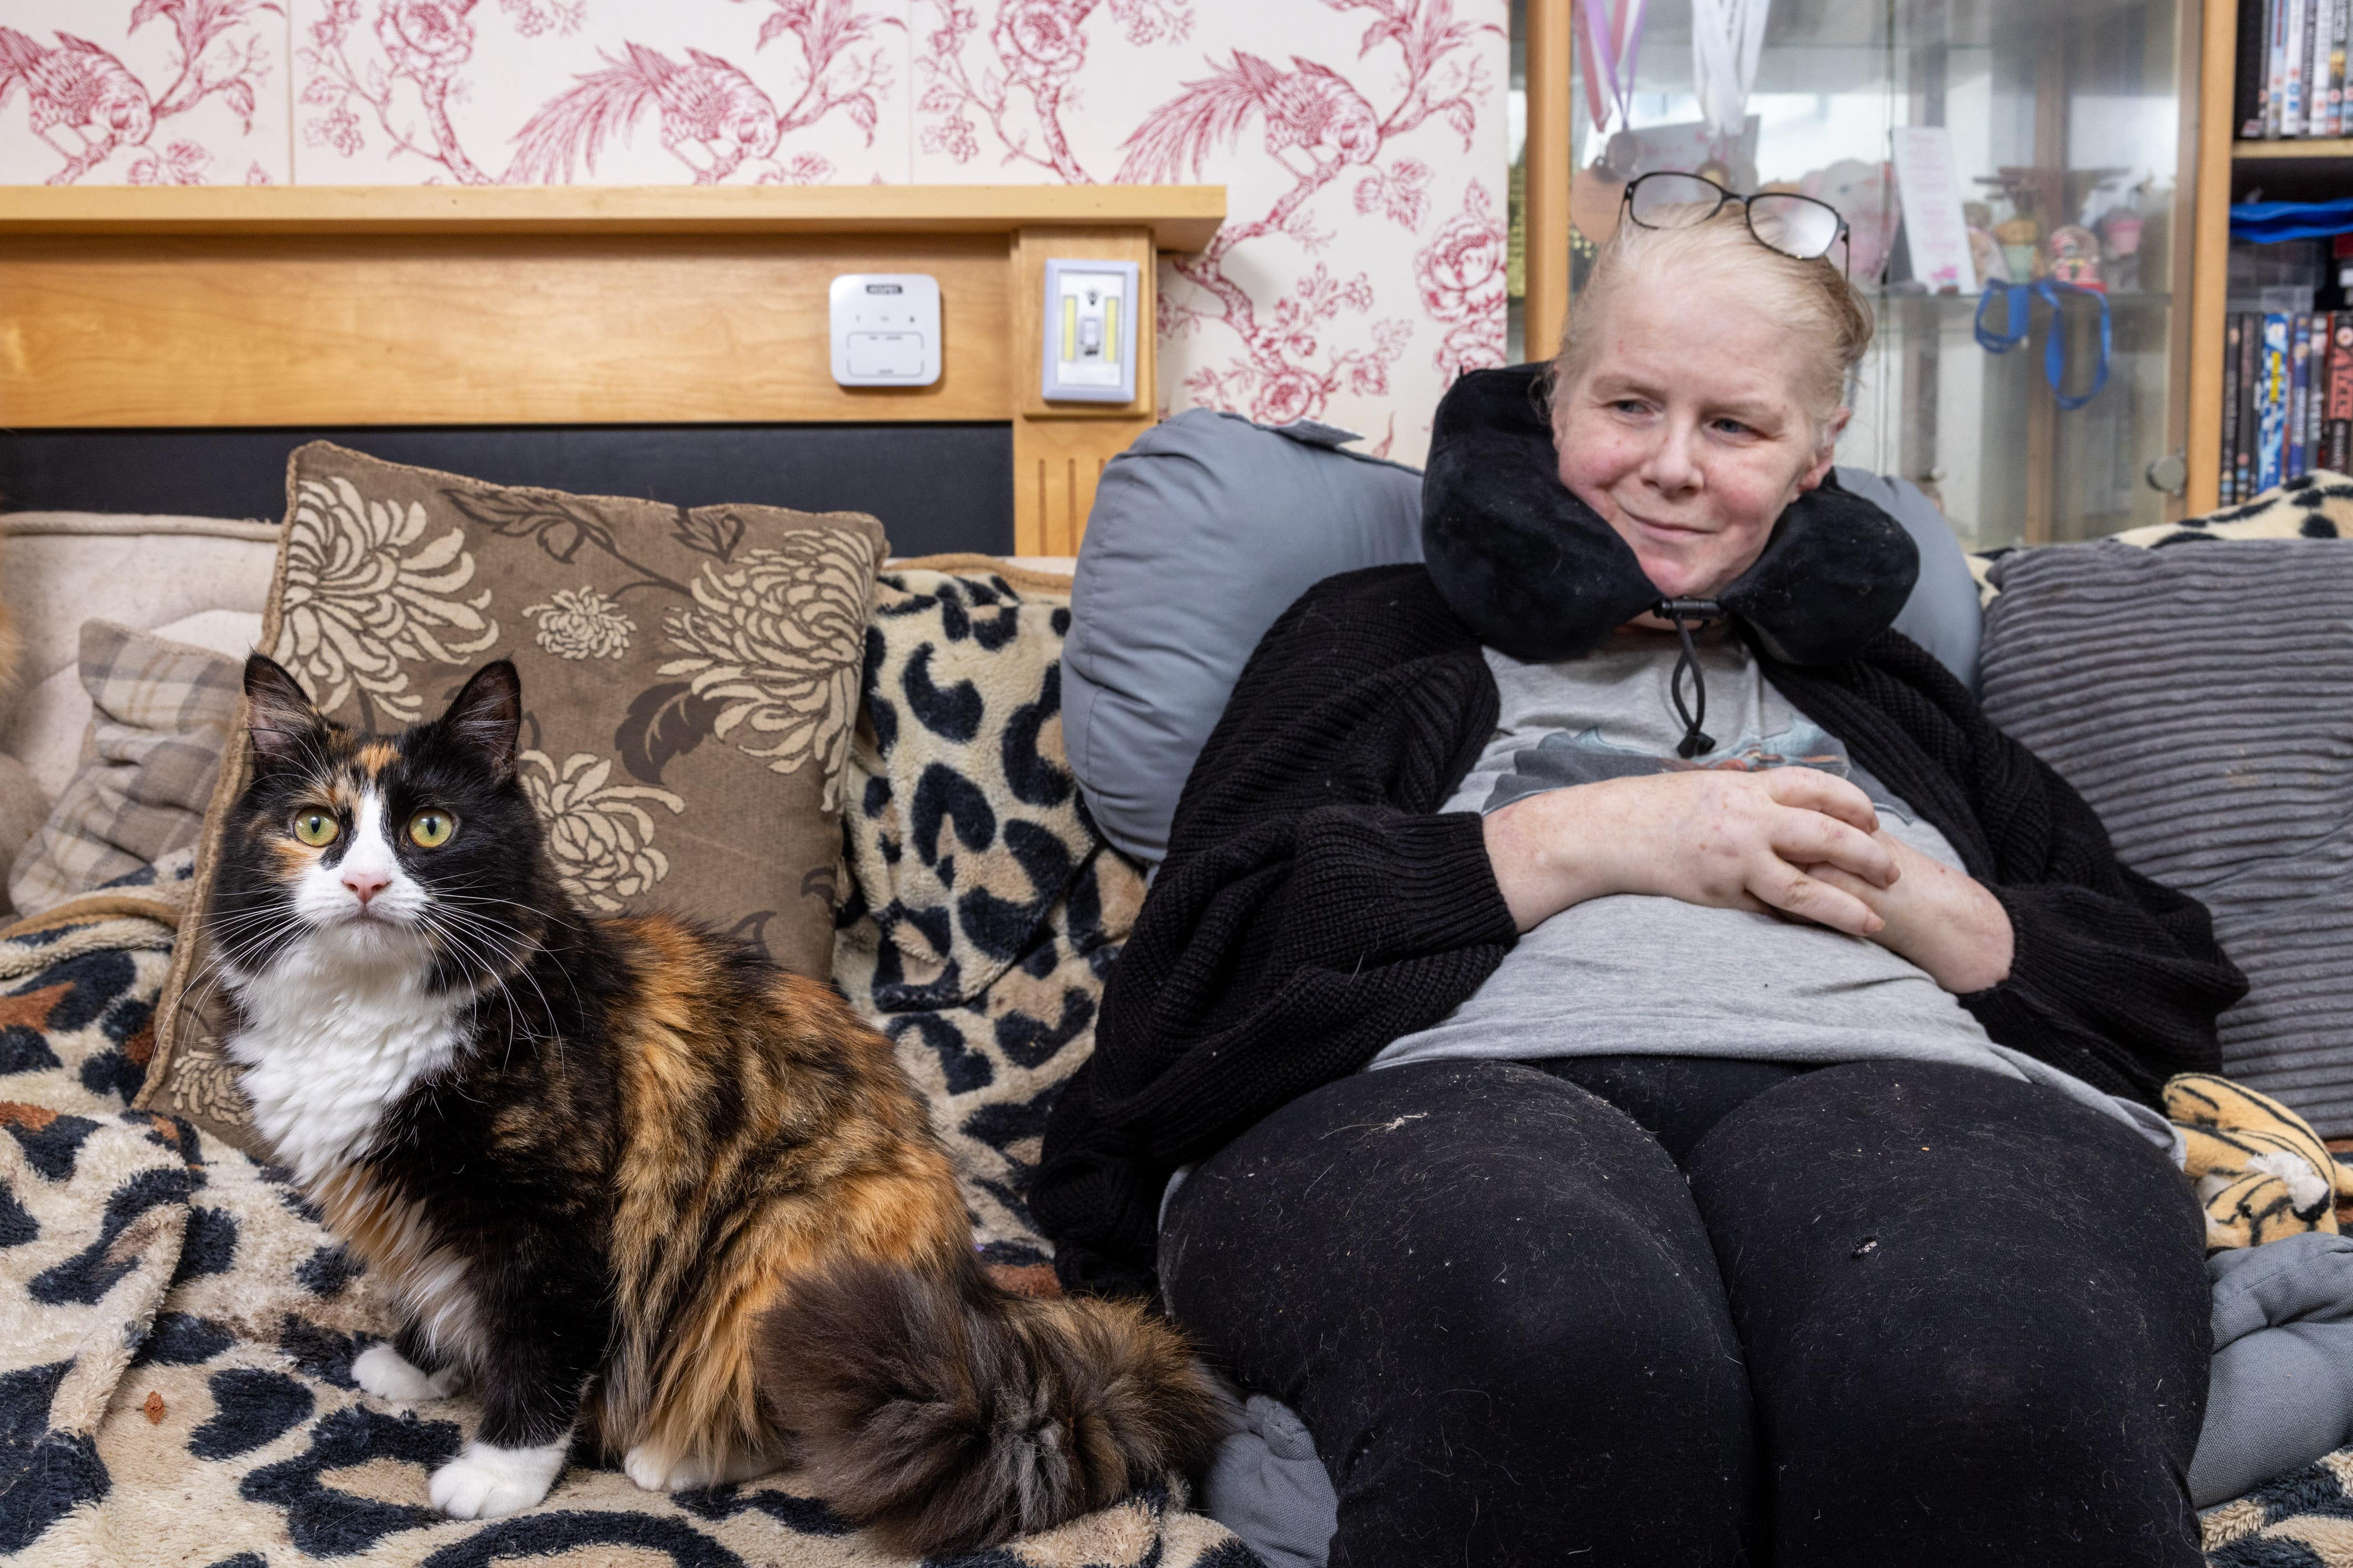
1686 614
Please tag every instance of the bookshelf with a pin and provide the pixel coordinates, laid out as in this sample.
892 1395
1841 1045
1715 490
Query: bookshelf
2225 168
2291 150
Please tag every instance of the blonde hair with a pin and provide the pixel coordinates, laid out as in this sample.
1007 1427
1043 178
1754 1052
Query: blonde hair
1812 299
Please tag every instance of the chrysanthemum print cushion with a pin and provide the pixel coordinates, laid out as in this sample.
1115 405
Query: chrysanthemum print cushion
690 681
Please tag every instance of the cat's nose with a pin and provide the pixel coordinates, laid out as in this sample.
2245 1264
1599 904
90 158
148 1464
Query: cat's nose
367 884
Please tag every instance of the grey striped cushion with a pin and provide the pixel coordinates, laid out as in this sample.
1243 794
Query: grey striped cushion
2201 697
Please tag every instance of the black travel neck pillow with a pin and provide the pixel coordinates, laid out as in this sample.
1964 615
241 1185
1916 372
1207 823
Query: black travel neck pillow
1540 575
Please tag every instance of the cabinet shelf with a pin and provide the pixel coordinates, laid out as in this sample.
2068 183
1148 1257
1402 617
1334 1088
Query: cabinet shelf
2293 147
2118 298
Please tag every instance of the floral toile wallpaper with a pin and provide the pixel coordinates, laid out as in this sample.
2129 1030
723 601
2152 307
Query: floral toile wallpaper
1362 142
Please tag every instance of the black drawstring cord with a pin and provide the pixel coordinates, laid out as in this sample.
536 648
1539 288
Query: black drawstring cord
1698 612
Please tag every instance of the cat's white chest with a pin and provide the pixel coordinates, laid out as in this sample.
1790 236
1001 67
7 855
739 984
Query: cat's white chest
328 1048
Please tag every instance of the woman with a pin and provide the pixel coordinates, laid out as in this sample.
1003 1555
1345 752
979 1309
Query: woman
1760 1166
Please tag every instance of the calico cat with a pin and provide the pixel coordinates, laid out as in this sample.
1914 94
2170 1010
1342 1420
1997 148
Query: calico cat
642 1187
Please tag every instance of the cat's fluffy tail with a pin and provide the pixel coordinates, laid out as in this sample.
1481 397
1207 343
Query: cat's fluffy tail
948 1413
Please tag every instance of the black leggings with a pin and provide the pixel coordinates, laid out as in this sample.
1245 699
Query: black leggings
1886 1313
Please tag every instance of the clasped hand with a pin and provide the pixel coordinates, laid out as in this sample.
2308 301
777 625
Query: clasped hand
1796 842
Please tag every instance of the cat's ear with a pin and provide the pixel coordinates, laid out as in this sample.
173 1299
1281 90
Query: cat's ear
279 717
487 715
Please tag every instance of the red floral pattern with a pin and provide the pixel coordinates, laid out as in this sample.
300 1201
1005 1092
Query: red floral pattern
551 91
1361 141
173 87
1392 101
1463 283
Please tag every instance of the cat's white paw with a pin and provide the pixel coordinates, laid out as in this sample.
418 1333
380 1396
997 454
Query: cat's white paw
387 1373
487 1482
656 1472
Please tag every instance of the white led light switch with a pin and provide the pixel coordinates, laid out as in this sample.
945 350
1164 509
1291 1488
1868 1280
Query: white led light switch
1090 347
886 328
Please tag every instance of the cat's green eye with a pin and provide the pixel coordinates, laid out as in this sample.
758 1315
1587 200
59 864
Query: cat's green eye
430 828
316 828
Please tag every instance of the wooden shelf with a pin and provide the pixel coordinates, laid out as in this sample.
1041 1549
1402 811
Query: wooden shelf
1180 217
2294 147
524 305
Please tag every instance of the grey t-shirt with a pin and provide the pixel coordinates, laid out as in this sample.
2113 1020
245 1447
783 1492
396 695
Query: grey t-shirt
1633 973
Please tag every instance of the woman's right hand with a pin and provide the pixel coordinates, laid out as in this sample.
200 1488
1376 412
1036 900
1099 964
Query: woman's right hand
1722 839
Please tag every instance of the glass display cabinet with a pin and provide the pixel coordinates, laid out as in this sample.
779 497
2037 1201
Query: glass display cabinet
2062 125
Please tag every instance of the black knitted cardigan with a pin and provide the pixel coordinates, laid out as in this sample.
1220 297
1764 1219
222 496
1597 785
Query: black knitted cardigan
1316 904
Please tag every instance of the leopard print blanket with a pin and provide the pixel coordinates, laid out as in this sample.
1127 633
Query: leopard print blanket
177 1327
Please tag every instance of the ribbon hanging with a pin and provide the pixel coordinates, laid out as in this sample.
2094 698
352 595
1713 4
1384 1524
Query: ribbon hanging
1613 37
1727 37
2015 310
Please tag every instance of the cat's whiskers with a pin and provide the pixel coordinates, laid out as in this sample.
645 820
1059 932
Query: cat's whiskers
231 923
218 964
445 929
533 944
472 924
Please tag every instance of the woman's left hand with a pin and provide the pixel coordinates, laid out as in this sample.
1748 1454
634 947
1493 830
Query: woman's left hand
1943 920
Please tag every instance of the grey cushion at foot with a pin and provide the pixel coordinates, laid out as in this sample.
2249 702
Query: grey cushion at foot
2281 1393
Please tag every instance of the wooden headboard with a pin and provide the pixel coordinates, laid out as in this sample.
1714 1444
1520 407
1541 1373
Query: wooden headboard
307 306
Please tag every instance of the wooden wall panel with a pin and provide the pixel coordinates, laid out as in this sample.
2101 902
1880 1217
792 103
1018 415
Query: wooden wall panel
1059 448
537 329
1056 463
218 307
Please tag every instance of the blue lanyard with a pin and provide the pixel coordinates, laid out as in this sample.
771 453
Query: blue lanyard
2014 323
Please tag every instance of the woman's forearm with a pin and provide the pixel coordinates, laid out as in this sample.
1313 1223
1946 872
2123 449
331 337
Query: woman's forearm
1547 860
1722 839
1949 924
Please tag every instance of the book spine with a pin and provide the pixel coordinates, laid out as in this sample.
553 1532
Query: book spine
2322 118
2233 332
2307 386
2342 391
2292 69
2247 86
2270 449
2275 88
2299 349
2250 355
2316 405
2309 77
2316 438
2319 24
2340 24
2324 380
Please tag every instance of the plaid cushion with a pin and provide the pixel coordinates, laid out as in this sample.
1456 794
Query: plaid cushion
162 713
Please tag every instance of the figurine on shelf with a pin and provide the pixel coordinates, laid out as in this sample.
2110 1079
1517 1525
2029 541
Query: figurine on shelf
1992 266
2018 236
2120 231
2075 258
2031 193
